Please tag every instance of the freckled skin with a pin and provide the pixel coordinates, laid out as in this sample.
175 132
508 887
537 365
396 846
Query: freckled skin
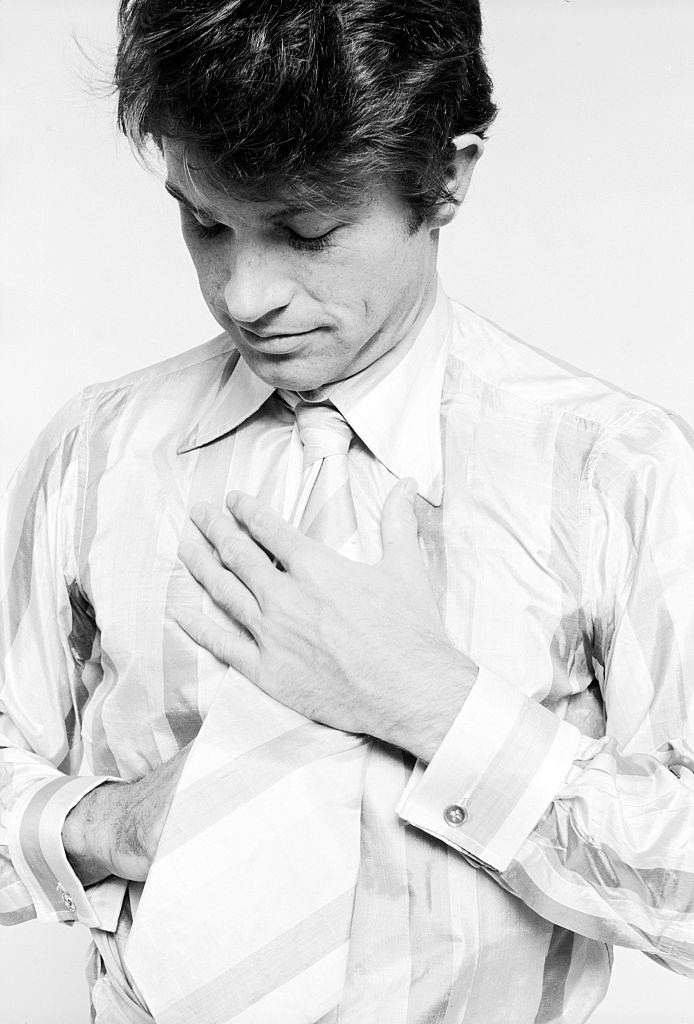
372 285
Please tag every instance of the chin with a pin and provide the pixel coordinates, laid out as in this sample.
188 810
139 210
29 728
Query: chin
293 382
291 378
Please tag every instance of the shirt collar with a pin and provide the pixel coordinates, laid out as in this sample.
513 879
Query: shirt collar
393 405
234 403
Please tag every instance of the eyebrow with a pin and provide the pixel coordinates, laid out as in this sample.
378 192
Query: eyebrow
287 211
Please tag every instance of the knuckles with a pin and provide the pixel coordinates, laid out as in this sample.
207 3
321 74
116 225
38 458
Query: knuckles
243 508
259 522
310 564
214 644
230 552
219 592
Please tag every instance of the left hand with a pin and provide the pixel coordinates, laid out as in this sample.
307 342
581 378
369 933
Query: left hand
357 647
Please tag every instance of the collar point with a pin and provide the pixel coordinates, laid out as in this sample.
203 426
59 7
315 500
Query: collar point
187 444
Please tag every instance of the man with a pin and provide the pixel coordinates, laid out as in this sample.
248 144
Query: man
310 149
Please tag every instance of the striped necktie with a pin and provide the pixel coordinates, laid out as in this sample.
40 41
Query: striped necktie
246 914
325 508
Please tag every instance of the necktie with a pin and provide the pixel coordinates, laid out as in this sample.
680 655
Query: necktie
325 508
246 914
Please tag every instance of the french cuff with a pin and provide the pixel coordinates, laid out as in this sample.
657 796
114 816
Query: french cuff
37 853
497 770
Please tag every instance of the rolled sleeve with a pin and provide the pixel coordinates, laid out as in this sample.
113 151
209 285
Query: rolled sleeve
497 770
35 842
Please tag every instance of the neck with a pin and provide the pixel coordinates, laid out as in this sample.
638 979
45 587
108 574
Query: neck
412 326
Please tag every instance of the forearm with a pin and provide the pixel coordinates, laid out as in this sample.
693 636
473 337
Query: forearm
420 724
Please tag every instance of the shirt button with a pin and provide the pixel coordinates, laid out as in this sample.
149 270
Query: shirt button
455 815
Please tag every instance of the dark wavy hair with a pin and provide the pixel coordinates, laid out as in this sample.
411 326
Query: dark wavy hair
317 99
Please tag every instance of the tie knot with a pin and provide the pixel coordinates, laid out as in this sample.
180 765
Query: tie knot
323 431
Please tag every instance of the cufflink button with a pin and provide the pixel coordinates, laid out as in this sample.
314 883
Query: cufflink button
455 815
66 898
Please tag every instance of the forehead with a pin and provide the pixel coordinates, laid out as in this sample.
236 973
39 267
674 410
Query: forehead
191 186
243 211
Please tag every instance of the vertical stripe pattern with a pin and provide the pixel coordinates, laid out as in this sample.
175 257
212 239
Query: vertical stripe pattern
555 523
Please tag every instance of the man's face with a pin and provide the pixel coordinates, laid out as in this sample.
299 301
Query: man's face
310 295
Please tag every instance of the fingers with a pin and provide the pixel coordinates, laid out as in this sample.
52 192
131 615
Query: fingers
231 649
238 552
267 528
399 523
222 586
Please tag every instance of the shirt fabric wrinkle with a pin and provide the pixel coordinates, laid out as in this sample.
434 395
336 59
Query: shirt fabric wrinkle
472 415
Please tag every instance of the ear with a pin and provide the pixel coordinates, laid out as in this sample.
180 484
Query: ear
469 148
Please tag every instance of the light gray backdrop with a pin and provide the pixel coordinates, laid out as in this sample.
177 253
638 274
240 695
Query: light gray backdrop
577 235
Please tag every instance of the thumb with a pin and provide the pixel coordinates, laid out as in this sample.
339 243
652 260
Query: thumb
399 523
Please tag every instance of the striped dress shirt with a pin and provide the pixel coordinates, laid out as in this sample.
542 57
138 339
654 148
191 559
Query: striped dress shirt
555 520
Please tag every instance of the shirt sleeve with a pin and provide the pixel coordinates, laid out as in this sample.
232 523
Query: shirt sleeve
596 834
48 661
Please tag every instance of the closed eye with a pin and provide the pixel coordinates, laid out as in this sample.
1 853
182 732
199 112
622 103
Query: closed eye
310 243
301 243
206 230
197 223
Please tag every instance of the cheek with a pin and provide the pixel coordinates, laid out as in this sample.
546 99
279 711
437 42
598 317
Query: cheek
212 276
389 274
360 281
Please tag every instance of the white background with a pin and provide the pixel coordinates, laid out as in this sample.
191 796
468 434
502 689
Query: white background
577 235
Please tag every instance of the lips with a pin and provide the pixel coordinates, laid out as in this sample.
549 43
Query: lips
267 336
275 344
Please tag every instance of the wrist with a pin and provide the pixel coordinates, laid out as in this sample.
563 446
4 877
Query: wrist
442 692
90 833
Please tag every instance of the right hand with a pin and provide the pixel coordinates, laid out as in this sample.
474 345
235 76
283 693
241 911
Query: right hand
115 829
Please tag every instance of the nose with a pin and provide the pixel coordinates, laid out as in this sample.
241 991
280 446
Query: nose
258 285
